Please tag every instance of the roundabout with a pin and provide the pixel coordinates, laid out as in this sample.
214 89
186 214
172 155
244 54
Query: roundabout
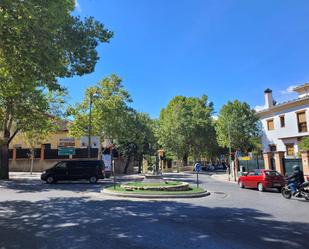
165 189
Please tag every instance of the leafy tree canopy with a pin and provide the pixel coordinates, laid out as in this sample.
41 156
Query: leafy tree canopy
41 41
238 118
109 110
185 126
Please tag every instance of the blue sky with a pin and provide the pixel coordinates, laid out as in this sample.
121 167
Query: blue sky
225 49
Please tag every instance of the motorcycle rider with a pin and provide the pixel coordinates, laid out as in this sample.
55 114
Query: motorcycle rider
296 179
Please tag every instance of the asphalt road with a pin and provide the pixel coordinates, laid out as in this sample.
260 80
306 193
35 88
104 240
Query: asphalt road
37 215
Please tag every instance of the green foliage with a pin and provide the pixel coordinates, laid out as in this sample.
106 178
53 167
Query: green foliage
109 110
304 144
243 124
185 127
140 139
112 118
40 43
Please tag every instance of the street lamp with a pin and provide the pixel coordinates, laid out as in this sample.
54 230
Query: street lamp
92 95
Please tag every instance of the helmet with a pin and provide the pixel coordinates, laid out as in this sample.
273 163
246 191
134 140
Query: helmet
295 167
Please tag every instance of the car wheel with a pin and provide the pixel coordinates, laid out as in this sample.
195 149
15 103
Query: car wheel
50 179
260 187
241 184
93 179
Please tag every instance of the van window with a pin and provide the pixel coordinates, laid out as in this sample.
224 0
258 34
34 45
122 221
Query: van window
61 165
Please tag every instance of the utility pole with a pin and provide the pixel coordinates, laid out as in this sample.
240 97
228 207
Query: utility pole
230 149
89 127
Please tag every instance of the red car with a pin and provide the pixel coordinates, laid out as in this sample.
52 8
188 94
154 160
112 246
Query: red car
262 179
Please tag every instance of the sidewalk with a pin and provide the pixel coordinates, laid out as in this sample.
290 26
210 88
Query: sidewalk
37 176
223 177
25 176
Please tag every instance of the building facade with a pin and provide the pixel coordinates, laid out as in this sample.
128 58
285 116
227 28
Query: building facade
285 124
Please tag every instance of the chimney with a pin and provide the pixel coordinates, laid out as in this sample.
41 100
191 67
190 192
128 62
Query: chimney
269 102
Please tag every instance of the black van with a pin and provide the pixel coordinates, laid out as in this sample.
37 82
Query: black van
91 170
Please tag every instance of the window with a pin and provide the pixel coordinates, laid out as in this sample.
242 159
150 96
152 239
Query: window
302 122
272 147
282 121
289 149
272 173
61 165
270 125
258 173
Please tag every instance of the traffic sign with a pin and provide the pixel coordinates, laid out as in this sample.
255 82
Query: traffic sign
66 151
197 167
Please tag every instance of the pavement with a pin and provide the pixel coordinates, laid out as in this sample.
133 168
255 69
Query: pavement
221 176
77 215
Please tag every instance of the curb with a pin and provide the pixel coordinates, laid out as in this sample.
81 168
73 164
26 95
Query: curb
150 196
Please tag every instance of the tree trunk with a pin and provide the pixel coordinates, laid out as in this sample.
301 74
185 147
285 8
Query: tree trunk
185 160
32 161
4 161
127 164
140 163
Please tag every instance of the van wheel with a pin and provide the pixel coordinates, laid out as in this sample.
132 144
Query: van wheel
50 179
260 187
93 179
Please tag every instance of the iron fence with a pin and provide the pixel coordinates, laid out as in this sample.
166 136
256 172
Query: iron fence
289 163
252 164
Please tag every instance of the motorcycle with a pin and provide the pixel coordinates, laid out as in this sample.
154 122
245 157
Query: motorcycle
302 191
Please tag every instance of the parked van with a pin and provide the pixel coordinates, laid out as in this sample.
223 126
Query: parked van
91 170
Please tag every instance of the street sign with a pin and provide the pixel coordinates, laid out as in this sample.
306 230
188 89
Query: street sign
66 151
197 167
66 142
107 162
238 154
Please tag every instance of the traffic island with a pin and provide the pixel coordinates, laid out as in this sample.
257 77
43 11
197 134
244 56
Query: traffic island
168 189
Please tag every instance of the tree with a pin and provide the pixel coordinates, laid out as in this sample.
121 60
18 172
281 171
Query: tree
185 127
40 42
45 125
109 111
140 139
304 144
239 122
39 132
112 118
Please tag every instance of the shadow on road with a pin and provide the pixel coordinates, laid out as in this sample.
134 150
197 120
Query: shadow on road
36 185
31 186
86 223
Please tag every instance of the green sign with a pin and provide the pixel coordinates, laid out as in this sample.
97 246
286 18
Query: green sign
66 151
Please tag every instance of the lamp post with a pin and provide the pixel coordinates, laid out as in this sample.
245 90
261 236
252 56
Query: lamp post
94 95
230 149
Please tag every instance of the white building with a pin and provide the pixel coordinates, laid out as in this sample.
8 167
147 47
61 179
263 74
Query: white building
285 124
